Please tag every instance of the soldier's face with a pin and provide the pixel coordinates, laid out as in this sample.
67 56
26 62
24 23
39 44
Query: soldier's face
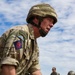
54 70
47 24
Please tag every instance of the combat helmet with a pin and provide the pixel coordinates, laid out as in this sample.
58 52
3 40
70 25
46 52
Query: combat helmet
71 73
42 10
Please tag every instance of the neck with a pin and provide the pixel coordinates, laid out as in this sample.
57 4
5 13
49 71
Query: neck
36 32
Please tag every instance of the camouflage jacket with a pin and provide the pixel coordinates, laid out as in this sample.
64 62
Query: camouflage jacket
18 47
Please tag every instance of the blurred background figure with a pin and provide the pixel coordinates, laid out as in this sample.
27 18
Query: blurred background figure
54 71
71 73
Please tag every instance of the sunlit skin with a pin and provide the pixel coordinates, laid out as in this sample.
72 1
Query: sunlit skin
8 70
46 25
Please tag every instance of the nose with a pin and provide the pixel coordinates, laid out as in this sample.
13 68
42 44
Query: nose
51 25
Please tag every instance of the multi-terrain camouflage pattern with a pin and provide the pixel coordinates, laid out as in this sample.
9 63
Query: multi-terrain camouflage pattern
18 47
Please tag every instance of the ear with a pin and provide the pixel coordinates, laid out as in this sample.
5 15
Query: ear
36 21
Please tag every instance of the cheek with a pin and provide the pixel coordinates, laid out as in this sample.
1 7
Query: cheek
44 24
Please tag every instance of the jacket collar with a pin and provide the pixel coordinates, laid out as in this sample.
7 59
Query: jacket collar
31 31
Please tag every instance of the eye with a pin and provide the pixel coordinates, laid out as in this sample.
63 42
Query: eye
51 20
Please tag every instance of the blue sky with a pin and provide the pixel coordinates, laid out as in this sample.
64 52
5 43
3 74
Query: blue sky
58 47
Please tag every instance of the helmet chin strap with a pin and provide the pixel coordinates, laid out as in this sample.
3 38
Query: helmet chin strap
34 24
41 31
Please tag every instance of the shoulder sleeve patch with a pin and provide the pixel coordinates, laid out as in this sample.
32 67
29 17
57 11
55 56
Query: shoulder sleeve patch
18 44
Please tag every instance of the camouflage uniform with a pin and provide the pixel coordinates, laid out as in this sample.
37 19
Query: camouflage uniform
19 48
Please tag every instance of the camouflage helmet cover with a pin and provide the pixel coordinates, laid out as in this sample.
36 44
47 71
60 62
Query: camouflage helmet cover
71 73
42 10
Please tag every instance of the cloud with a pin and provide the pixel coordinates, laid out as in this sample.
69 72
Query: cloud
57 48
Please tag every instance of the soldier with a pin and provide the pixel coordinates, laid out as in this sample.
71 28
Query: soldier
19 54
54 71
71 73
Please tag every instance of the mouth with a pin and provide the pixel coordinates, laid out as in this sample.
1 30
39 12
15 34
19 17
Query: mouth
47 30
